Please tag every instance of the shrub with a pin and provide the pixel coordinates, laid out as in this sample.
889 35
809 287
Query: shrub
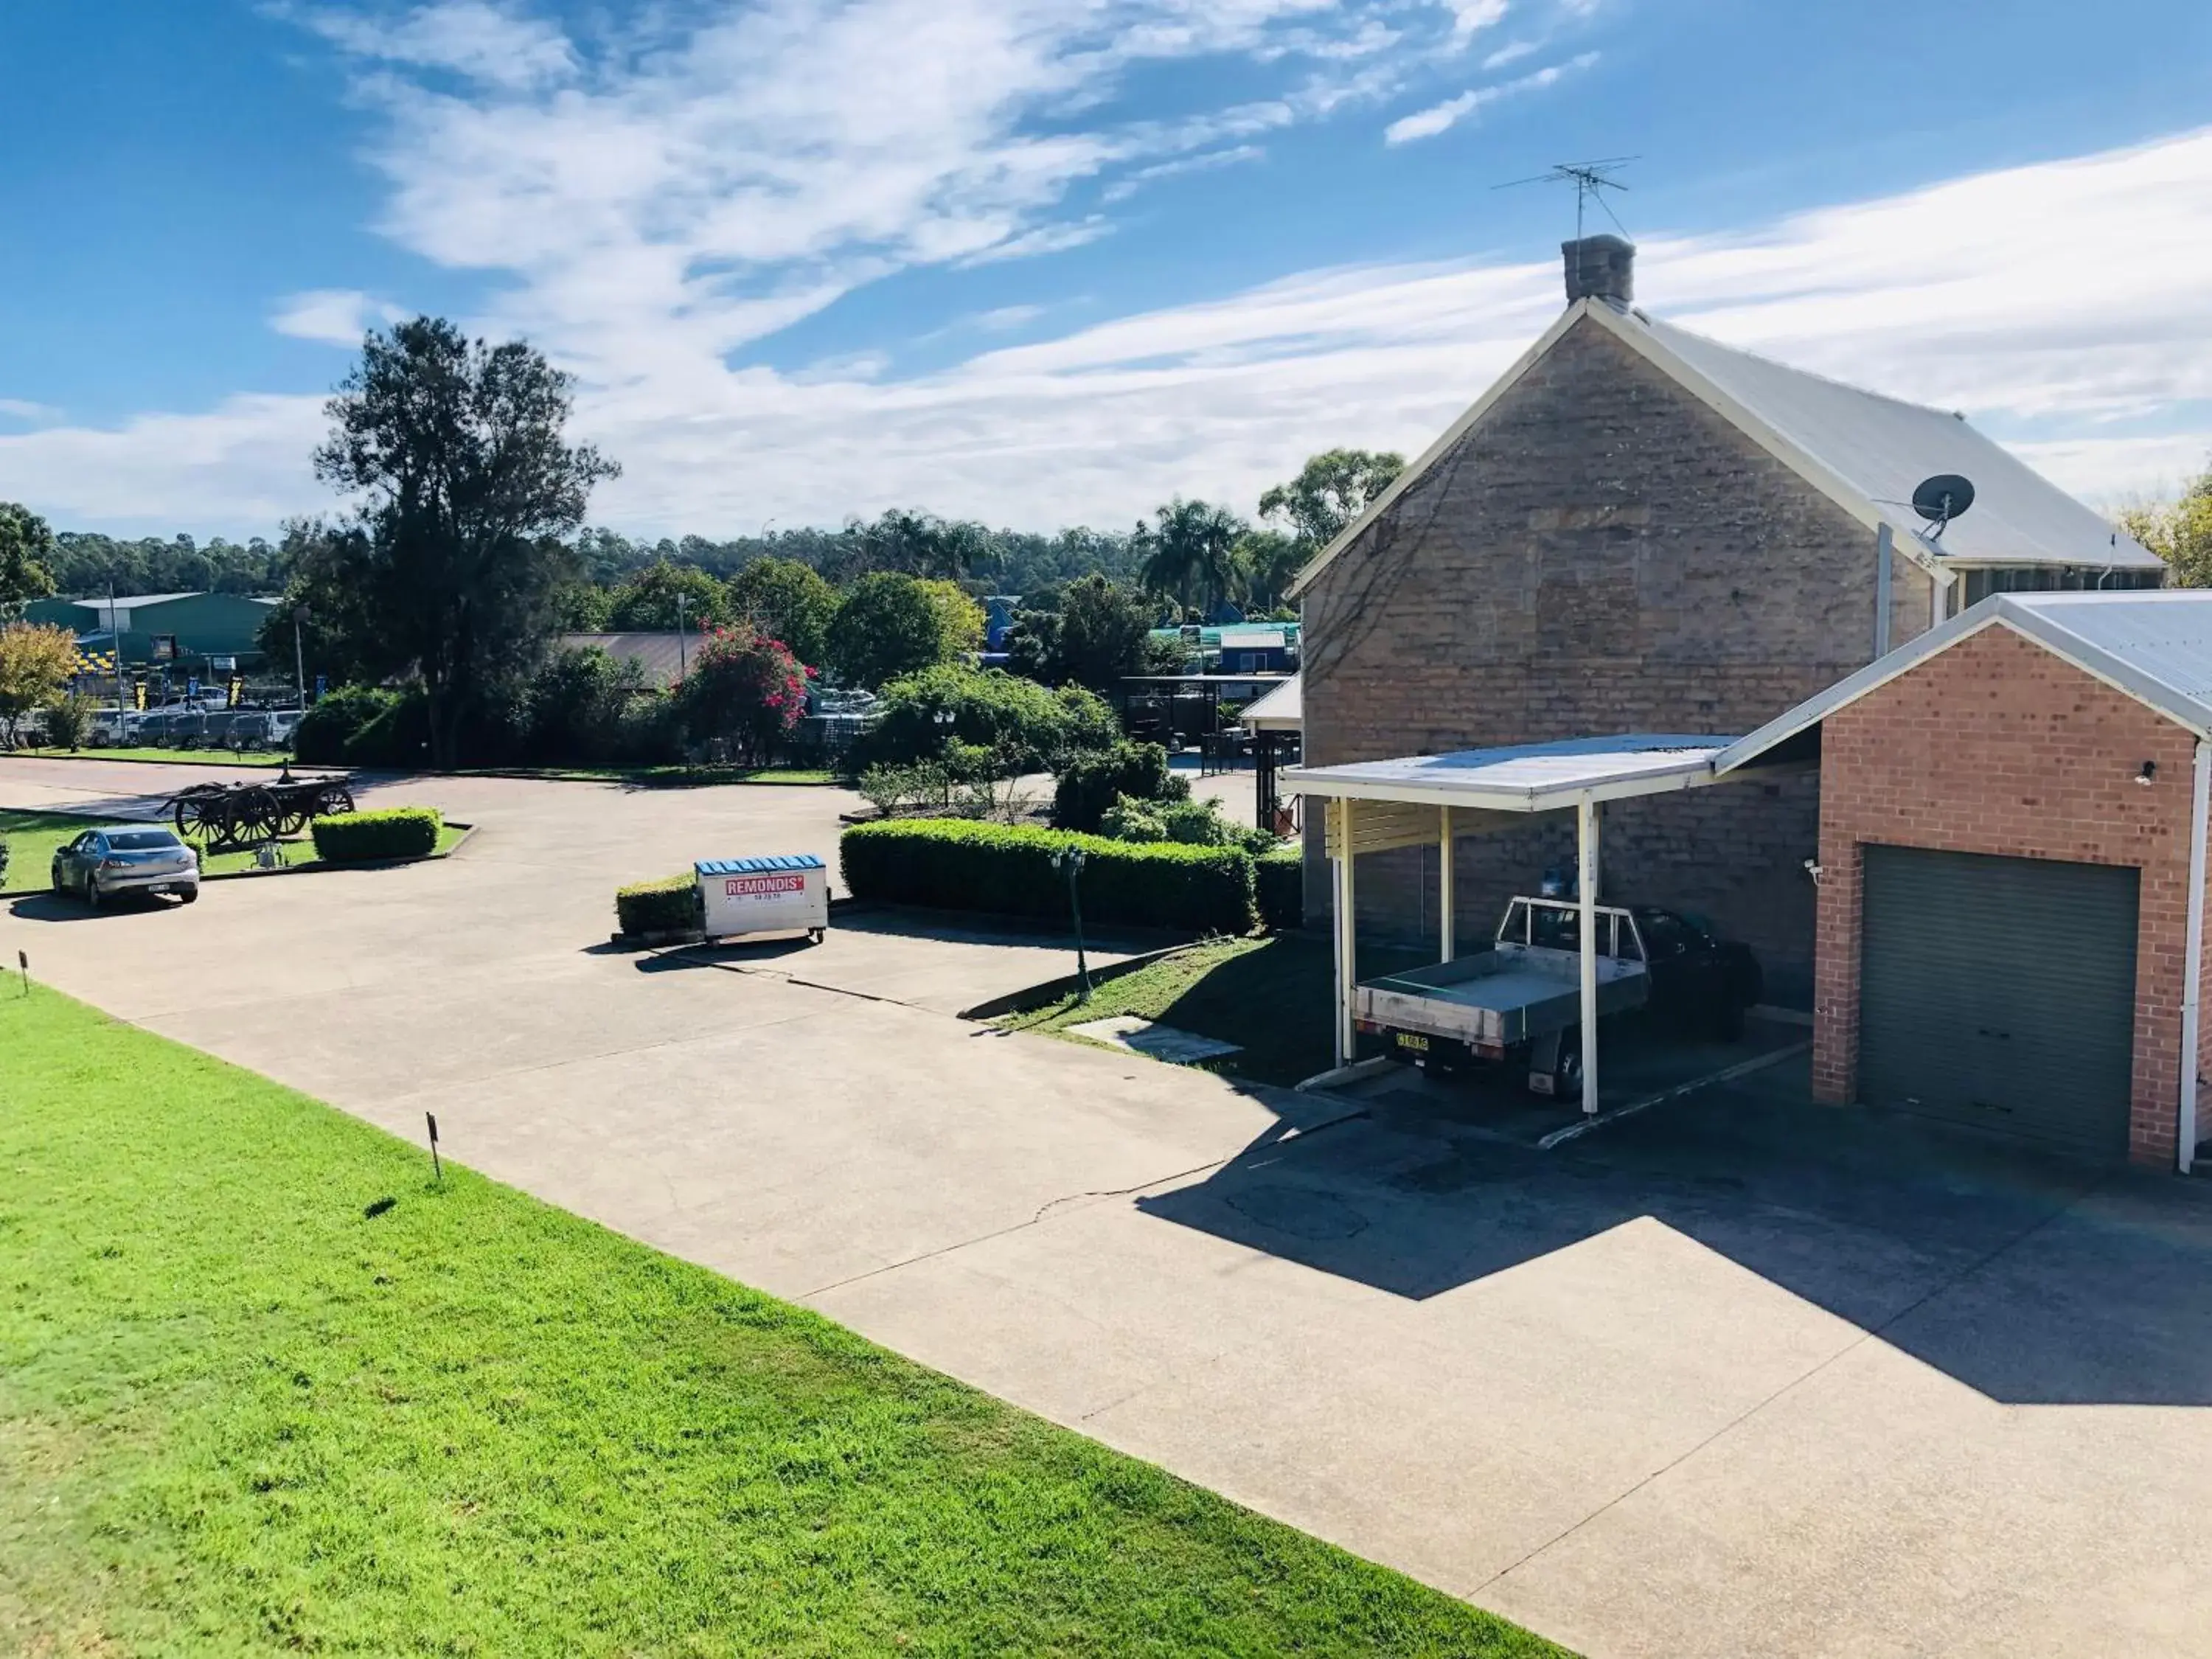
952 864
69 720
1019 725
394 832
1090 783
670 905
1280 880
575 710
365 725
889 623
745 689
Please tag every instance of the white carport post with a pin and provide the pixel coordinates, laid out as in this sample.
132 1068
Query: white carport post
1447 907
1347 967
1586 892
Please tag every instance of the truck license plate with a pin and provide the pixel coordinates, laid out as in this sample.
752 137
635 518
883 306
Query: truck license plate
1412 1043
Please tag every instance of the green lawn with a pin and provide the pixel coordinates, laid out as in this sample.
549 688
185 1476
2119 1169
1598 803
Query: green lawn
265 1387
300 852
32 838
1269 995
179 756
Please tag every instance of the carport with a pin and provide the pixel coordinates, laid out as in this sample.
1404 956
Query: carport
1423 800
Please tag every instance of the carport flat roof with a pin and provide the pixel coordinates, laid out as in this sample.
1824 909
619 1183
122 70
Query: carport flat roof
1529 777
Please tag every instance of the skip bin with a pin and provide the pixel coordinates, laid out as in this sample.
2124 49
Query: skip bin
788 893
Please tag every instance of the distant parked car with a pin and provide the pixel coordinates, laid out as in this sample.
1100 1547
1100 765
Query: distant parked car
103 863
113 728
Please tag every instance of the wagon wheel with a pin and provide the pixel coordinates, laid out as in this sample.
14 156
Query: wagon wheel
257 816
336 799
189 812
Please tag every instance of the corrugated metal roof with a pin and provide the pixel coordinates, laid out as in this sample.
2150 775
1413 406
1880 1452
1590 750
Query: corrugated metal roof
767 863
1884 446
1529 777
2155 645
1281 708
660 656
1864 451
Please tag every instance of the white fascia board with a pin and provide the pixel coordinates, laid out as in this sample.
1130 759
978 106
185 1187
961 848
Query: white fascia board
1437 451
1533 797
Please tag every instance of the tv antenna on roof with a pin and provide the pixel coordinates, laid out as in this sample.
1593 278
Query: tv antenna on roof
1591 179
1941 498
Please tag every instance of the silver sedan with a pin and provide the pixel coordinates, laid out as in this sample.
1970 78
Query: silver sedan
100 864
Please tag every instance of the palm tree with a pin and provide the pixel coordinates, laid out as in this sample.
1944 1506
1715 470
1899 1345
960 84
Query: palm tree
1190 551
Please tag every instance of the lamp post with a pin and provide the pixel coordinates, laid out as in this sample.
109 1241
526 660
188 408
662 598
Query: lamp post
300 655
682 664
1071 858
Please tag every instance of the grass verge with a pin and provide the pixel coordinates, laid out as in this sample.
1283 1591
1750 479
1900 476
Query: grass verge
263 1386
271 758
1269 995
32 838
300 853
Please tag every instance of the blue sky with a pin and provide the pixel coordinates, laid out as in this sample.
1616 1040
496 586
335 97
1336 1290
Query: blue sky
1050 261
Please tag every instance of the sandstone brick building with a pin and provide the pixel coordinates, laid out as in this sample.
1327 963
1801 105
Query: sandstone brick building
1638 529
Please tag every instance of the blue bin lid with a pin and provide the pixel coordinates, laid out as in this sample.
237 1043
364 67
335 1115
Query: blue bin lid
755 867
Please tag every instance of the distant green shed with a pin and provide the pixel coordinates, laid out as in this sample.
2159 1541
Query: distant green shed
186 628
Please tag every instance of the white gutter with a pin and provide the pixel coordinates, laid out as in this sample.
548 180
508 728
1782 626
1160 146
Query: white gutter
2192 973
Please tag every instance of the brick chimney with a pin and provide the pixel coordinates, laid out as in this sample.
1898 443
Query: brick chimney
1601 267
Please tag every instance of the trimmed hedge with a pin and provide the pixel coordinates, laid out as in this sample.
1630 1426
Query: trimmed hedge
1280 885
670 905
394 832
955 864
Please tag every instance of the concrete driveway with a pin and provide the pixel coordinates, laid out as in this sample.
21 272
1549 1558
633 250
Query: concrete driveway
1737 1377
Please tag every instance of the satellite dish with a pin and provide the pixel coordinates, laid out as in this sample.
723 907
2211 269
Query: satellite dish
1942 498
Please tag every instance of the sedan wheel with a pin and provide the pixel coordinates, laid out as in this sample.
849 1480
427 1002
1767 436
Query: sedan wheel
92 892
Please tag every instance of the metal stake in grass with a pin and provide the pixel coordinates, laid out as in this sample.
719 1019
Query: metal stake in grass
1072 857
23 963
436 1168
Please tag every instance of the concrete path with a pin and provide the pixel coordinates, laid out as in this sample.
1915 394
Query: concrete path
1736 1378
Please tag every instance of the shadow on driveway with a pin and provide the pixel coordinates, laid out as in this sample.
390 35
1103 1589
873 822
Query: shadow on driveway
2027 1277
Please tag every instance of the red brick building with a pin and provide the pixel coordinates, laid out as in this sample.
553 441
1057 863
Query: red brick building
1638 529
2012 850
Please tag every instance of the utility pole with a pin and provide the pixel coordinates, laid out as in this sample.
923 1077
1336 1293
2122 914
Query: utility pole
682 663
299 656
115 658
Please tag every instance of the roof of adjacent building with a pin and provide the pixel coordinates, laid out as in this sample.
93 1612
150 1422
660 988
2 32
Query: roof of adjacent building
1528 777
1864 451
101 603
2155 645
1281 709
661 657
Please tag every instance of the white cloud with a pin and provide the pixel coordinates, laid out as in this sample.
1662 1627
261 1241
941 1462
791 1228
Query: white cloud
336 316
22 409
490 44
1511 53
1471 17
1441 117
2042 300
1210 161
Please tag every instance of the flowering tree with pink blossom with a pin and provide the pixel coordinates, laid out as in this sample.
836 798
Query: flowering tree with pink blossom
746 690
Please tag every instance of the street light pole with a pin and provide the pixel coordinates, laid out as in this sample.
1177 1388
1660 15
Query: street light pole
682 662
1072 858
300 655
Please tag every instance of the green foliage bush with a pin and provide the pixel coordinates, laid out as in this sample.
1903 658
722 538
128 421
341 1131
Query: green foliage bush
1091 782
1014 724
957 865
1280 885
365 725
394 832
1192 823
670 905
